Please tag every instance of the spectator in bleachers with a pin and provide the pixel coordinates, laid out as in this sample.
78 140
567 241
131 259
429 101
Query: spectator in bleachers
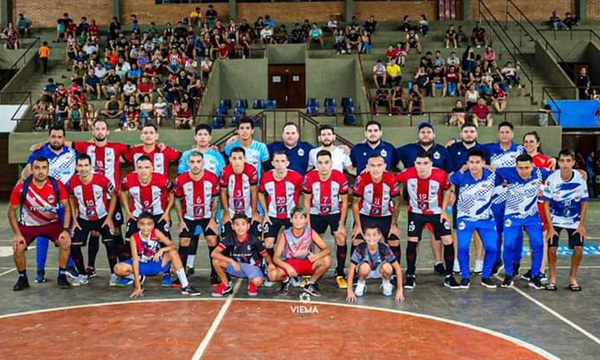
498 98
211 16
61 27
422 80
62 111
11 35
555 21
266 35
196 16
570 20
438 80
451 37
43 113
478 36
379 74
370 25
423 25
457 118
394 73
365 42
92 84
353 24
471 96
438 60
297 35
453 60
415 98
184 117
397 99
269 22
405 26
281 35
468 60
583 82
24 25
332 24
315 35
114 29
451 82
413 41
462 36
510 74
481 114
340 42
161 110
76 119
489 59
400 53
306 27
382 98
113 108
352 41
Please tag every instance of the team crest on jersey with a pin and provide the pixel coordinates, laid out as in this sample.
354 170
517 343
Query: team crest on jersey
411 226
90 212
383 153
238 203
326 209
50 198
376 211
436 155
507 223
446 225
462 226
300 152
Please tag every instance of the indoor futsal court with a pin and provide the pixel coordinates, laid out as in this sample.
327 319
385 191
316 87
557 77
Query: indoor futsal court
100 322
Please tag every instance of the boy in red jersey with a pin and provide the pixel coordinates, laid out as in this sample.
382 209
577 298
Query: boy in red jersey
161 155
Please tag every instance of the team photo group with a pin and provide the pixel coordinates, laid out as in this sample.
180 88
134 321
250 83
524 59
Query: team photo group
263 211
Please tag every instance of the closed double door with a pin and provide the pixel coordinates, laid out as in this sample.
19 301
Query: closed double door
287 85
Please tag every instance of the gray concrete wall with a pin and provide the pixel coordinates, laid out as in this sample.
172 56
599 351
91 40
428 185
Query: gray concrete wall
549 67
592 55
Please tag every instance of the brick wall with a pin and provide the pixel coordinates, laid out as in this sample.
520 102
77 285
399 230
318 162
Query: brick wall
592 10
291 12
536 10
395 10
147 10
44 13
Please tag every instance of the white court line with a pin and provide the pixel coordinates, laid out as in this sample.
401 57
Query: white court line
557 315
216 322
7 271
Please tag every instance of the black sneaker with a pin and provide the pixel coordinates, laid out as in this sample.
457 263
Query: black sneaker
516 268
214 280
22 283
439 269
62 282
410 282
189 290
450 282
189 271
536 283
311 289
90 272
488 283
285 287
508 282
526 276
465 283
498 266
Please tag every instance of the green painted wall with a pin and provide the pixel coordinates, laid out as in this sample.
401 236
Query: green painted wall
333 77
244 79
286 54
547 65
592 55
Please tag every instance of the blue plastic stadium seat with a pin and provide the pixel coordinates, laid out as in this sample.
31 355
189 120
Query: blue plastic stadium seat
350 119
221 111
349 110
238 114
330 107
241 103
226 103
312 107
347 102
218 122
271 104
258 104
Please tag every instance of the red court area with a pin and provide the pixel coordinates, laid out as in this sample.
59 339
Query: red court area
248 330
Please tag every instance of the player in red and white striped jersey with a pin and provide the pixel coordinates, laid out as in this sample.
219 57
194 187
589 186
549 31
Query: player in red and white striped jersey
239 191
376 203
279 193
91 210
196 193
426 186
161 155
146 191
326 195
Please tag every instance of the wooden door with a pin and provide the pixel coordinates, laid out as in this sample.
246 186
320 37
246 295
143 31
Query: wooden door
287 85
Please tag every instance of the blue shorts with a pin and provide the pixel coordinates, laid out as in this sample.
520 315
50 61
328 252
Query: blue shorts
151 268
249 271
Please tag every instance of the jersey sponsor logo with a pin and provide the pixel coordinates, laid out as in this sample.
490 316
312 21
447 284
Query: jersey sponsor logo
462 225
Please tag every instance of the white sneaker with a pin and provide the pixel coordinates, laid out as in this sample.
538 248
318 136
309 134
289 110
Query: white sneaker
295 282
268 283
113 280
478 266
80 280
456 267
387 287
361 287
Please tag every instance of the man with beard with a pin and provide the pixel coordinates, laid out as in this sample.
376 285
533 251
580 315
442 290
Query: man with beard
339 154
61 166
372 145
296 150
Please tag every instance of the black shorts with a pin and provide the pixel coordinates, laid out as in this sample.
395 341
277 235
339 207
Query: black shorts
384 225
319 223
575 239
255 229
80 236
118 215
192 224
271 230
132 227
416 223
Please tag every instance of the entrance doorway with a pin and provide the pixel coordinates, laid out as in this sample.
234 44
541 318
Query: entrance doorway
287 85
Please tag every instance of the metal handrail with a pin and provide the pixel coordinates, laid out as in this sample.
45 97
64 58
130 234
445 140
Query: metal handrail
573 31
365 85
14 65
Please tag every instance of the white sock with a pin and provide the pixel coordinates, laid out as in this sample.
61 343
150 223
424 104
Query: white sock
190 261
182 278
385 282
362 281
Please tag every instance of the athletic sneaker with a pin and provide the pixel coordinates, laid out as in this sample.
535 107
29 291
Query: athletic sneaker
341 282
167 281
125 282
544 277
310 289
478 267
410 282
268 283
189 271
252 289
222 290
450 282
285 286
62 281
361 288
72 272
498 266
456 267
22 283
90 271
80 280
190 290
488 283
465 283
113 280
536 283
516 268
40 277
439 269
526 276
386 287
296 282
508 282
214 280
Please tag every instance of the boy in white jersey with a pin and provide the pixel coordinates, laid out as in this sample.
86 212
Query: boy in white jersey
565 204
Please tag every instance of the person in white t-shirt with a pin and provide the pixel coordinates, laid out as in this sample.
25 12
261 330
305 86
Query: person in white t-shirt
339 154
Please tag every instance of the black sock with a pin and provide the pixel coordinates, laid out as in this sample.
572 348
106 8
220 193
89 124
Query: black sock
93 247
212 267
77 257
397 251
120 246
449 258
411 257
183 254
341 259
111 253
125 253
23 273
62 271
193 249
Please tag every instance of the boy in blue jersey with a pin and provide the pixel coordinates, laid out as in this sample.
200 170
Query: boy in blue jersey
474 214
521 213
565 204
503 154
361 152
257 153
296 150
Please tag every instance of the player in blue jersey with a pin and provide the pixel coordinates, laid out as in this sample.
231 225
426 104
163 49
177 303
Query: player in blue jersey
565 203
522 214
257 153
61 160
296 150
361 152
502 154
474 214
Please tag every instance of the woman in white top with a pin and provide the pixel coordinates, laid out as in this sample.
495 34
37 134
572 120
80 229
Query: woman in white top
161 109
471 96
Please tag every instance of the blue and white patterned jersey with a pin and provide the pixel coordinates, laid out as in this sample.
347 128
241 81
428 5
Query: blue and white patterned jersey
62 166
475 197
256 153
500 158
522 195
565 199
213 162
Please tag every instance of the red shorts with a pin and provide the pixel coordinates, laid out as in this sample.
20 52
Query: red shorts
541 210
51 231
301 266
